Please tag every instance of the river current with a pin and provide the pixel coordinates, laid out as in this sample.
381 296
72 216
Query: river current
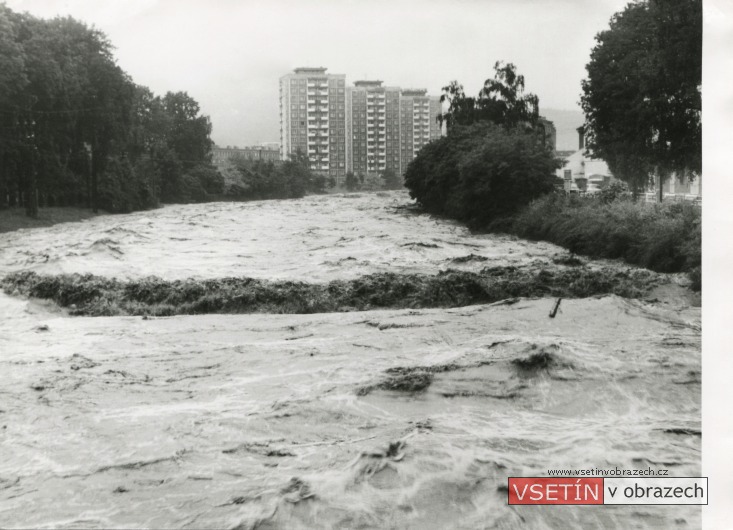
285 421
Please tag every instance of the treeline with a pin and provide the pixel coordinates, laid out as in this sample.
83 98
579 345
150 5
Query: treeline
259 179
75 130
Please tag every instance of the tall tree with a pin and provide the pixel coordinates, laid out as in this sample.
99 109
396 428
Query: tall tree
642 95
74 128
501 101
189 133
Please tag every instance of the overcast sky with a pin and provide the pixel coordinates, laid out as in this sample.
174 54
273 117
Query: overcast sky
229 54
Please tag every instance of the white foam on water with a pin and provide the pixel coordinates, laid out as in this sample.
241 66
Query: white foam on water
279 421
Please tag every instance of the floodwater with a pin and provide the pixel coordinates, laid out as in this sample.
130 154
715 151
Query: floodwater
288 421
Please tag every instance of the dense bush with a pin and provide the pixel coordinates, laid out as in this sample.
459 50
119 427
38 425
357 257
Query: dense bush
663 237
481 172
267 180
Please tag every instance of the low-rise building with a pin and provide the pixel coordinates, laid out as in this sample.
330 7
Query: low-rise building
225 155
582 173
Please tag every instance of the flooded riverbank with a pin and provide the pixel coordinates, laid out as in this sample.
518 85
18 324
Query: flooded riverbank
409 418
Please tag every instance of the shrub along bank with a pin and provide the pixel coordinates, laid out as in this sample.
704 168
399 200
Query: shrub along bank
663 237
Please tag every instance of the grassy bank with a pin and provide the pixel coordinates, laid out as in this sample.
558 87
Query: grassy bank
662 237
97 296
15 218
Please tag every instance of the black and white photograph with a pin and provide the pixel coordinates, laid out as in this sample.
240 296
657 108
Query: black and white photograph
364 264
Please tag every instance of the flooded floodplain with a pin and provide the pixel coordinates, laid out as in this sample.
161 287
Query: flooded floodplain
409 418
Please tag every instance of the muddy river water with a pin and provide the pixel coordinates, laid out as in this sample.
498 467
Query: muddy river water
285 421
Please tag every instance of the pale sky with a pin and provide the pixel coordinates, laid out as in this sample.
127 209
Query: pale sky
229 54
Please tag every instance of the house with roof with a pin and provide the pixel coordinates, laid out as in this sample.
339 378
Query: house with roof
581 173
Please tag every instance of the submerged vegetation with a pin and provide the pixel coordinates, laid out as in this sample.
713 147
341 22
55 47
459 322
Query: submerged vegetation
98 296
662 237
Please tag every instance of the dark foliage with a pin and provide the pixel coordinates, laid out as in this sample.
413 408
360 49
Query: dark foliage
501 100
266 180
391 180
351 182
76 131
642 95
481 172
664 238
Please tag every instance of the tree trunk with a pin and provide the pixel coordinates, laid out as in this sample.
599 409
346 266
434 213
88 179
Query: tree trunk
94 186
660 195
86 199
31 205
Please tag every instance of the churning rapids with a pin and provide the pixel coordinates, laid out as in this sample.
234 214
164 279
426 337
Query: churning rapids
375 419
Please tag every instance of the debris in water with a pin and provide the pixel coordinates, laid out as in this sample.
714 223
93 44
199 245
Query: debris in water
402 380
297 490
570 260
420 244
42 327
537 361
394 451
689 432
554 309
470 257
79 362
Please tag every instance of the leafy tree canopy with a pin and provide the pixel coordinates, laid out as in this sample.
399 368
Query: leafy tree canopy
642 94
75 129
501 100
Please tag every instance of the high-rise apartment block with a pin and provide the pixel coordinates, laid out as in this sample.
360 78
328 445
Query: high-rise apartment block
313 118
418 122
373 127
367 128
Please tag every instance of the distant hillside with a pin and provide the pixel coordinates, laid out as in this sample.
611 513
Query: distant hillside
566 122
